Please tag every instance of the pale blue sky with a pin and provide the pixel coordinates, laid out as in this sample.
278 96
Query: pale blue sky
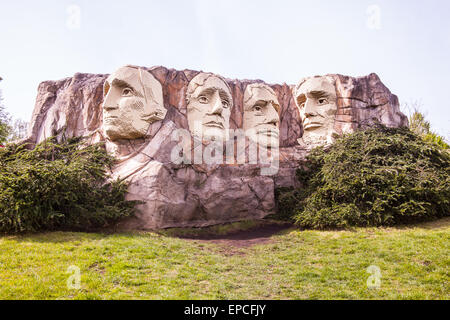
276 41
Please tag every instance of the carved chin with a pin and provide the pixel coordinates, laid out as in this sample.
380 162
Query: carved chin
117 132
210 132
265 138
112 132
324 136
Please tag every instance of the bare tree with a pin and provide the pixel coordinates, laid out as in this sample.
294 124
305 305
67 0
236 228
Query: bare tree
19 130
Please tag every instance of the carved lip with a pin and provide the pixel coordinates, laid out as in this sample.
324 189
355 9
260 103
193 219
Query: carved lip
110 118
311 124
214 124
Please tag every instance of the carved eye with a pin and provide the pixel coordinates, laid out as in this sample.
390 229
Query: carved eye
302 105
257 108
322 101
126 92
225 103
203 99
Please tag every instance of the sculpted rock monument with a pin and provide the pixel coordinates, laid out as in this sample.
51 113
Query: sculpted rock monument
316 101
132 100
332 105
261 119
177 134
209 103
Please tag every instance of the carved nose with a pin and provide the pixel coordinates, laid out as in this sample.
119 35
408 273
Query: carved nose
309 109
271 116
109 104
217 104
273 122
272 119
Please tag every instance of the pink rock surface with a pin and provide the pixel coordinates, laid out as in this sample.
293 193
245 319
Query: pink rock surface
196 195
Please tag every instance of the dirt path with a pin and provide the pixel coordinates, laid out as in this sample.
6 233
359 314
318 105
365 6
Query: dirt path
244 238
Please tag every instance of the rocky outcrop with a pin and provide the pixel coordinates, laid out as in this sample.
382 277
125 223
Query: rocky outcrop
365 101
183 194
334 104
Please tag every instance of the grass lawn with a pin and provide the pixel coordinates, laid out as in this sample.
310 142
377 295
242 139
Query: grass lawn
414 263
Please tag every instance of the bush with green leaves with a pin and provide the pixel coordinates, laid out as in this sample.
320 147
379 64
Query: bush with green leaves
59 186
377 177
421 126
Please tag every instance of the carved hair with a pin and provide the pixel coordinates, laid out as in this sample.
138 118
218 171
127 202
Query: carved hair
146 80
199 80
248 94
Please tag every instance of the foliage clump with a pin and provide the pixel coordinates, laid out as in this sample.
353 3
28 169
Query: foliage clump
59 186
419 125
377 177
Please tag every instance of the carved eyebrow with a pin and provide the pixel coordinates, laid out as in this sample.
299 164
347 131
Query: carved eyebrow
222 93
122 84
207 91
261 103
265 103
319 94
276 106
224 96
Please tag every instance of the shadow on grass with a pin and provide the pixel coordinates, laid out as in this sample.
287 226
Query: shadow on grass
234 236
55 236
243 228
428 225
242 233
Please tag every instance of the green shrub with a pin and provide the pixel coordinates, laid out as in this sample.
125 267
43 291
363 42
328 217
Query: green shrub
421 126
377 177
59 186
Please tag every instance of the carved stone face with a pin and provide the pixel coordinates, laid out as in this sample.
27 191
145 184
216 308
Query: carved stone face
316 100
209 103
132 100
261 120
